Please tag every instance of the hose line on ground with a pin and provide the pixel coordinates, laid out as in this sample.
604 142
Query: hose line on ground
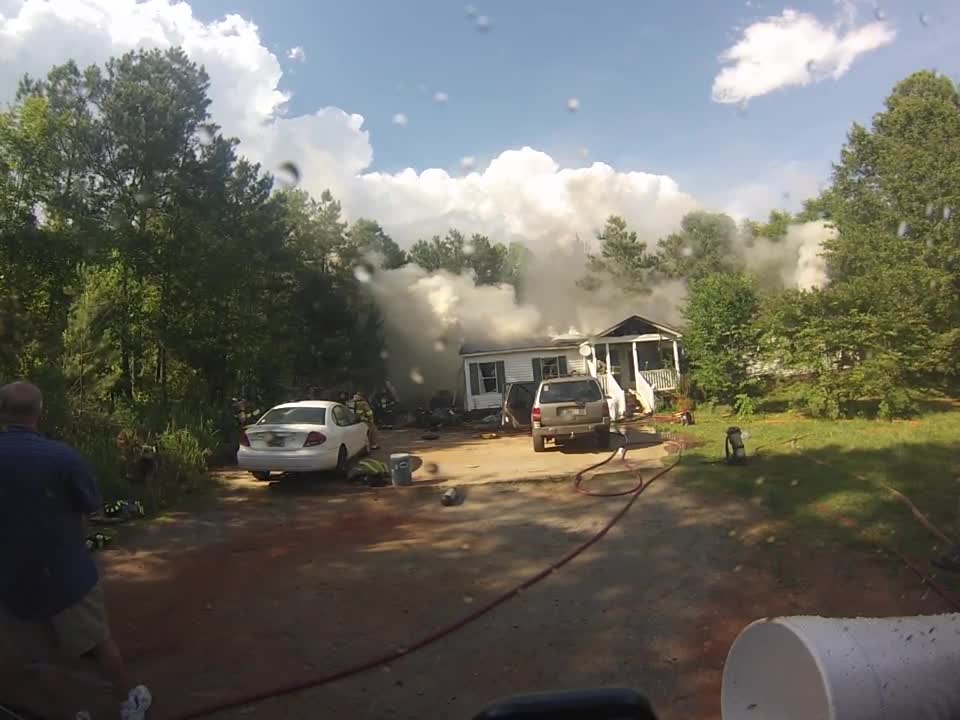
326 679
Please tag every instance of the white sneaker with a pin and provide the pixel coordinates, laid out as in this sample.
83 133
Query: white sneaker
136 705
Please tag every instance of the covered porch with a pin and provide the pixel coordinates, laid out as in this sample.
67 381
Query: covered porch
633 367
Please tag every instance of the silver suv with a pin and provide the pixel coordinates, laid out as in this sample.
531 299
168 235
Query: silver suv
569 407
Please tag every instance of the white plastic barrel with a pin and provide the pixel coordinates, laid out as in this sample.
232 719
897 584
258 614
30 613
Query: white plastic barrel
401 472
814 668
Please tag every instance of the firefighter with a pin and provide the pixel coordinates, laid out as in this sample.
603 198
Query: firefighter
364 413
370 471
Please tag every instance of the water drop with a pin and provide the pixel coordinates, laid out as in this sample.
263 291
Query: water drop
878 12
416 376
686 251
467 599
742 108
745 435
467 162
471 10
759 481
288 174
902 229
573 104
206 135
482 23
384 354
143 198
584 153
738 568
930 210
431 468
439 345
440 97
362 274
468 248
400 119
947 212
924 19
811 66
794 483
771 540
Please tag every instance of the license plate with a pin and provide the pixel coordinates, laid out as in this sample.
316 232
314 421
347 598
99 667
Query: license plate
575 411
274 440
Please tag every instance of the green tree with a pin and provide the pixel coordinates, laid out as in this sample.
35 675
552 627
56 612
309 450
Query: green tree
623 260
706 243
368 237
721 337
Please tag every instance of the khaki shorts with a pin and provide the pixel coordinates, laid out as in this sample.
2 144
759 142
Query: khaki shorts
69 634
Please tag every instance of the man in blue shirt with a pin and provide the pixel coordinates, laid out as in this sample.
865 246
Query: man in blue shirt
50 595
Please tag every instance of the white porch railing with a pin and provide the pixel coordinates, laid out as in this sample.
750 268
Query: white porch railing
662 379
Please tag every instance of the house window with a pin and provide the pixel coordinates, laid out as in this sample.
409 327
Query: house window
550 367
545 368
488 377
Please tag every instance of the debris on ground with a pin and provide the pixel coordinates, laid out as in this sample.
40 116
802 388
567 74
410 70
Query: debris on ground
98 541
491 419
118 511
487 436
429 436
451 497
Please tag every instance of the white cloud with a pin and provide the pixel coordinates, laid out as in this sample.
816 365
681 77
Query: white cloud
297 54
793 49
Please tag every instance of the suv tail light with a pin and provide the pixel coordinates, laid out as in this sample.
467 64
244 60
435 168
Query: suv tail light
314 438
244 440
535 414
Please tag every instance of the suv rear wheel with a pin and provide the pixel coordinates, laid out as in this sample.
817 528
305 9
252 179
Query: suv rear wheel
603 439
538 443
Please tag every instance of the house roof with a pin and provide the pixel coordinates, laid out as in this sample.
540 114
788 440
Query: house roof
637 320
531 343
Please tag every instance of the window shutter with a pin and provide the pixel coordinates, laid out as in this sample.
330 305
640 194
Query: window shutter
537 370
501 376
474 379
562 365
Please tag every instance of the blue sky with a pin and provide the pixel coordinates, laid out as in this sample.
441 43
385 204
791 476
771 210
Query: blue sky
642 72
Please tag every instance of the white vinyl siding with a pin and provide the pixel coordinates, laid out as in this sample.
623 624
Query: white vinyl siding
517 367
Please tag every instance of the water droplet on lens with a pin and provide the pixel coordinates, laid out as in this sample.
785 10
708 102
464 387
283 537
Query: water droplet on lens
467 162
947 212
584 153
362 274
687 251
573 104
143 198
471 10
384 354
205 135
924 19
469 248
440 97
811 66
439 345
431 468
288 174
878 12
400 119
930 209
771 540
416 376
902 229
482 23
742 108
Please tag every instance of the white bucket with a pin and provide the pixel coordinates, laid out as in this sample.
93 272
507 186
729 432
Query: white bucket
814 668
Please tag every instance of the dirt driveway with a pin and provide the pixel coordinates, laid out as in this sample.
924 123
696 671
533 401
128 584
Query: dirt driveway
281 582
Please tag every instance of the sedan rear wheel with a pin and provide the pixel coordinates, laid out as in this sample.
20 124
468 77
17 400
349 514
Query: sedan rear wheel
343 458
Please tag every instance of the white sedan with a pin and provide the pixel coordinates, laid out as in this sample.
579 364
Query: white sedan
302 437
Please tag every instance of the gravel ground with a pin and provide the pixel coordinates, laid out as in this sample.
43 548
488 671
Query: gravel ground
282 582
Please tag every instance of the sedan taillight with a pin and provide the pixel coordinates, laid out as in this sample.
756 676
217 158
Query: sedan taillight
244 440
314 438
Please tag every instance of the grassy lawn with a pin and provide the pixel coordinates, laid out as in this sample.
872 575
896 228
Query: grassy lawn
830 473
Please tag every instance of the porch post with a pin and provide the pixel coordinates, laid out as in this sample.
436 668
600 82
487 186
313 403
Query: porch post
636 366
607 348
676 359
